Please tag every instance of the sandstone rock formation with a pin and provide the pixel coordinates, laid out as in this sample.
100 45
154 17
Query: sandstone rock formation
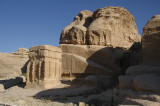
108 26
44 67
151 41
21 51
87 60
75 33
146 76
96 43
12 65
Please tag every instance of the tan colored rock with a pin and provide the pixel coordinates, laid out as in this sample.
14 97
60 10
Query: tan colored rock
44 68
21 51
12 65
145 77
113 26
151 41
83 59
108 26
2 88
75 33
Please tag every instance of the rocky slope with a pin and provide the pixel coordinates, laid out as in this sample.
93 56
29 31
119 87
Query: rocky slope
14 64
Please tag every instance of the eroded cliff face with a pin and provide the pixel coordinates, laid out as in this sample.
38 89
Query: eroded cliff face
141 82
108 26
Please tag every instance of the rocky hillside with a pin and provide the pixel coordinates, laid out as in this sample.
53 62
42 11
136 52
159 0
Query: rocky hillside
14 64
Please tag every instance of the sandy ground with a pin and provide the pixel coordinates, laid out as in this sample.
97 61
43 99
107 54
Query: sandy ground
60 96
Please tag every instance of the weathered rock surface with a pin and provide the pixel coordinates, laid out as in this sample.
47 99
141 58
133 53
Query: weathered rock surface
151 41
83 59
21 51
2 88
75 33
146 76
108 26
12 65
44 67
113 26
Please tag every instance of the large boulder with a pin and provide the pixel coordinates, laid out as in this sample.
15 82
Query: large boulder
145 77
108 26
96 43
75 33
113 26
151 41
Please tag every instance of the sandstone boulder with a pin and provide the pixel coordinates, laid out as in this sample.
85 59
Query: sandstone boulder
151 41
108 26
145 77
113 26
75 33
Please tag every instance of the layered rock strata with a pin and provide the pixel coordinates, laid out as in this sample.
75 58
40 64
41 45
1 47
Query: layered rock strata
44 68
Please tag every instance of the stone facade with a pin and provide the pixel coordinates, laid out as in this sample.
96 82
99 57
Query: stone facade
44 68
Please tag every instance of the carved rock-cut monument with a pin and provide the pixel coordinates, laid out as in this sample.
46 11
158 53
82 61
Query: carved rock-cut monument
44 68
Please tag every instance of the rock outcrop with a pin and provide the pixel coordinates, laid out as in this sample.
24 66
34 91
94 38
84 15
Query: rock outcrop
87 60
146 76
108 26
21 51
12 65
151 41
75 33
96 43
44 67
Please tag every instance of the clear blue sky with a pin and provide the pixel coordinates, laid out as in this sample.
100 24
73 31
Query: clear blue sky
26 23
